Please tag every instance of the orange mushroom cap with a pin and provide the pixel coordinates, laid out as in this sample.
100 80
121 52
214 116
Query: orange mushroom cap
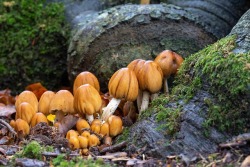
136 65
82 124
86 77
85 134
62 101
93 140
169 62
74 143
37 118
22 127
71 133
150 77
124 84
25 111
84 141
29 97
115 125
44 102
104 131
87 100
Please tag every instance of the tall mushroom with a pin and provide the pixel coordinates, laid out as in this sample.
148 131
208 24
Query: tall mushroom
169 62
86 77
136 65
44 102
61 104
150 81
87 101
123 84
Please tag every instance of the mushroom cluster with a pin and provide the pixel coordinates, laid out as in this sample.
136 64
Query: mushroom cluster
98 116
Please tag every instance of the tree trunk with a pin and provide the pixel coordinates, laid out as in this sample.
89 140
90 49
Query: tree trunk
205 105
106 41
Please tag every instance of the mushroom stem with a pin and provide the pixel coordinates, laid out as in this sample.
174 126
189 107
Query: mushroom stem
145 2
139 99
166 86
90 118
154 96
59 116
145 101
110 108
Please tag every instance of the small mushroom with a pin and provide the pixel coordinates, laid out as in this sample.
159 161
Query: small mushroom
96 126
104 131
82 124
25 111
37 118
169 62
123 84
86 77
85 133
115 125
61 104
150 81
22 127
13 124
29 97
71 133
84 141
74 143
93 140
87 101
44 102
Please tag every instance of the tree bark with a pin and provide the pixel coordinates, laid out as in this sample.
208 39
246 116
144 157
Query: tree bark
106 41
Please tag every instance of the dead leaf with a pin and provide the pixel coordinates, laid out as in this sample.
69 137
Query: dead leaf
6 98
7 111
67 123
37 88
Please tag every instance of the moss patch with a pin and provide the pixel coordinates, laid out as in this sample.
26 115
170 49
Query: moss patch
33 44
226 75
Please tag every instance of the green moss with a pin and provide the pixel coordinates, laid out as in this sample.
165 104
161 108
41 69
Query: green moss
33 43
63 161
168 117
124 136
33 150
225 75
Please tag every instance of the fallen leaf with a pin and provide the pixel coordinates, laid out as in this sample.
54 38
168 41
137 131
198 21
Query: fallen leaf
7 111
37 88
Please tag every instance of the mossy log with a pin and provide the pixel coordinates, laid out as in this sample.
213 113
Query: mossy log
106 41
209 104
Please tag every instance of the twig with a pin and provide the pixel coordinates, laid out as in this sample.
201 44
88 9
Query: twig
52 154
8 126
232 144
114 148
113 155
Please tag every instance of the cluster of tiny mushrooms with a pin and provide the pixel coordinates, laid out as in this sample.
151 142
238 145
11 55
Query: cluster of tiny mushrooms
136 82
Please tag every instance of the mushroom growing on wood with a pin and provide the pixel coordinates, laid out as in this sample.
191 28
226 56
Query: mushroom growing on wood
169 62
61 104
136 65
86 77
87 101
29 97
123 84
44 102
150 81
